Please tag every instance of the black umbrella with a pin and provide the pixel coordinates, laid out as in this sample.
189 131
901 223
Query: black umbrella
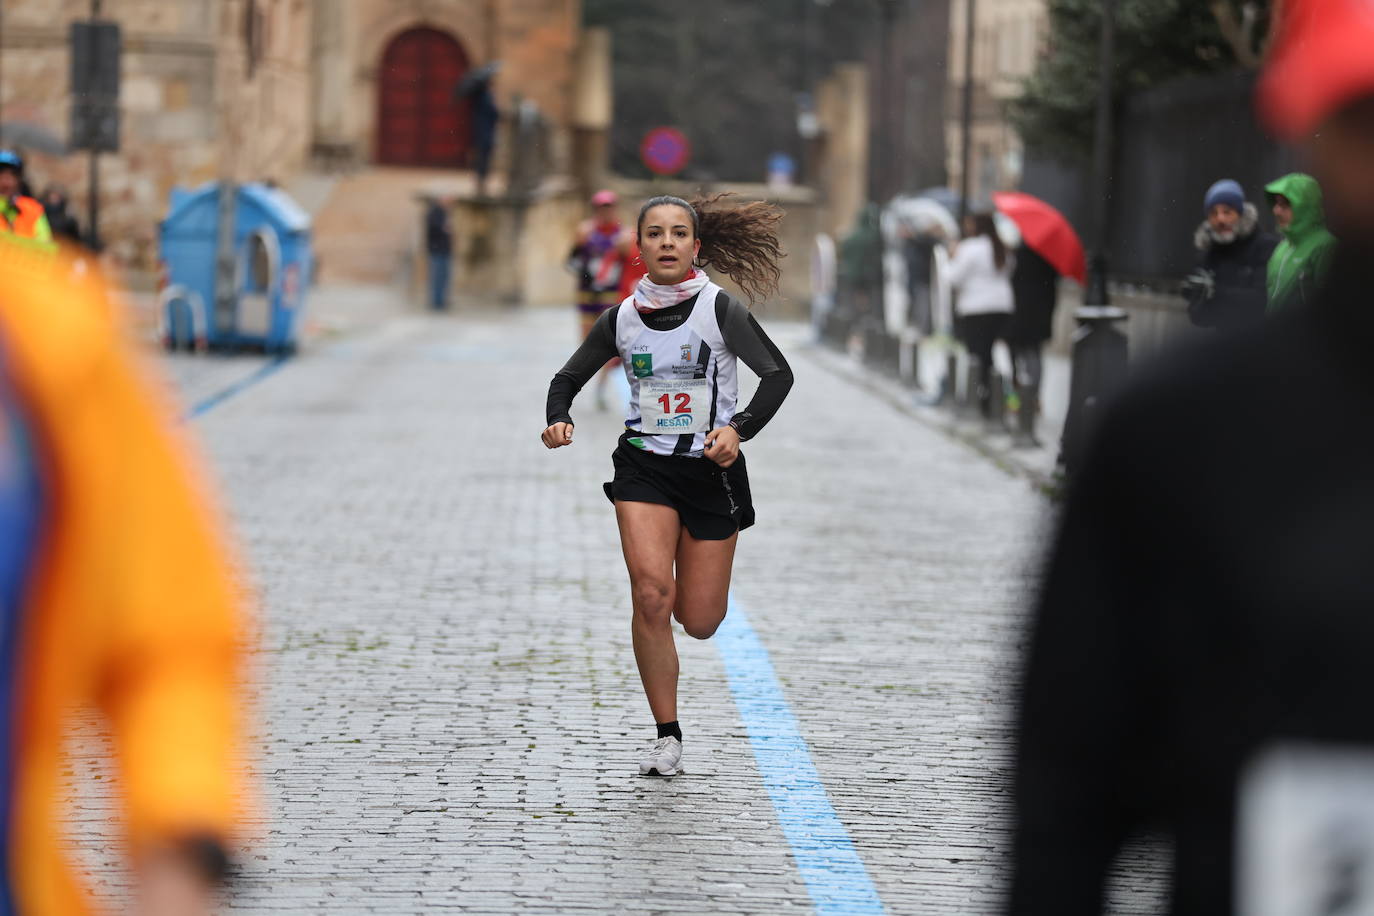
475 78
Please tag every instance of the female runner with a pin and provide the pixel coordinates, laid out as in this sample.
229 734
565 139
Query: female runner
681 491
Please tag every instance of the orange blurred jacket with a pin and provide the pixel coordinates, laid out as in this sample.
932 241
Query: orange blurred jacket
131 605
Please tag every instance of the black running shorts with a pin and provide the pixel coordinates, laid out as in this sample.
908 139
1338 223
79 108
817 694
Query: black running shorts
713 502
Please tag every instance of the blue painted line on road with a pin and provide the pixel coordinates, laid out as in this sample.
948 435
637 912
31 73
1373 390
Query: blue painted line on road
834 874
224 394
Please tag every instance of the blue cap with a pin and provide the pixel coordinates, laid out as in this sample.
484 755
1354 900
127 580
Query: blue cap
1226 192
9 157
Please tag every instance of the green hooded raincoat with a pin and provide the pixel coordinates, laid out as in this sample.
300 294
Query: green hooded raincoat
1299 265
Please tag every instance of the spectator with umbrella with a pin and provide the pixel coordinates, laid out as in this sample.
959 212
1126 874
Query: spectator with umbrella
475 86
1049 249
980 274
920 224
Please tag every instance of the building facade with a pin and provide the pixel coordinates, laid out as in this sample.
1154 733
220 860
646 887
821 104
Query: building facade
385 73
1007 39
269 89
909 85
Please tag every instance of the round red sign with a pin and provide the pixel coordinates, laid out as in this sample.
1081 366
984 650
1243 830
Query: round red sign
665 151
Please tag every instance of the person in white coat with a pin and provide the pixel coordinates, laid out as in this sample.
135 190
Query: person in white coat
980 275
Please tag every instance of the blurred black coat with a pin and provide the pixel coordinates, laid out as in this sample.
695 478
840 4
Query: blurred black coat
438 230
63 224
1210 595
1035 288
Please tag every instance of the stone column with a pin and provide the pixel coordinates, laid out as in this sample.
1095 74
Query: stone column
842 107
333 49
592 109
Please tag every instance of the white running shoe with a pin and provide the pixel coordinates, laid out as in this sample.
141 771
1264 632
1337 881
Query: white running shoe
663 759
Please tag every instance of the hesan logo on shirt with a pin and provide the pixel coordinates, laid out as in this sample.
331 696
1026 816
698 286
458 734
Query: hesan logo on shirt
677 422
642 364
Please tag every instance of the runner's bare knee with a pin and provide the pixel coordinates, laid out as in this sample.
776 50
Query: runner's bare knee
653 599
699 621
701 629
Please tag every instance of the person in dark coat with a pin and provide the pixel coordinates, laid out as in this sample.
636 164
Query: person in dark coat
919 252
485 117
64 225
439 246
1227 290
1199 660
475 92
861 266
1035 290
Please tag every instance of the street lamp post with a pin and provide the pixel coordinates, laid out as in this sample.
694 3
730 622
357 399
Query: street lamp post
966 125
1096 292
1100 348
887 101
808 126
93 186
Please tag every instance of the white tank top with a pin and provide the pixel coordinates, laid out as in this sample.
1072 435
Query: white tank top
683 382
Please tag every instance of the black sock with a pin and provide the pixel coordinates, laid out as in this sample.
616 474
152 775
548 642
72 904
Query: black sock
666 729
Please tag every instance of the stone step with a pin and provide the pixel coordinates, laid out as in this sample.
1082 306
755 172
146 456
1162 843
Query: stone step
367 225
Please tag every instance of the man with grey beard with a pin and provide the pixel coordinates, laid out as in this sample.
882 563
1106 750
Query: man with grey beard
1228 288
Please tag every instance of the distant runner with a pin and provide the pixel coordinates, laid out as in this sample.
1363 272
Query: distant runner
602 251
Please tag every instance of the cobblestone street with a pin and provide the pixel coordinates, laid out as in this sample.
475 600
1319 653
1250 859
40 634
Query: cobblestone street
450 716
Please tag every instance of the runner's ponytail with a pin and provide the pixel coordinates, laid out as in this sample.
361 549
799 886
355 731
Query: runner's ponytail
740 241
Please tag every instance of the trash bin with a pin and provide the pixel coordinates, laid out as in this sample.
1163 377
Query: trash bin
273 267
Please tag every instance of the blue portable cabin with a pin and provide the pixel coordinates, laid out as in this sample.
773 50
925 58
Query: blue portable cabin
274 265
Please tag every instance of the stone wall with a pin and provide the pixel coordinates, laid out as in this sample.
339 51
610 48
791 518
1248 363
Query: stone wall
190 110
1154 322
265 108
513 251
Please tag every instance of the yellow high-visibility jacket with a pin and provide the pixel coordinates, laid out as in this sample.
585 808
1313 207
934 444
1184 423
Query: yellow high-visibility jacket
130 604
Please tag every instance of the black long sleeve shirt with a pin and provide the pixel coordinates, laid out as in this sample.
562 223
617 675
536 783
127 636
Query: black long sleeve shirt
741 332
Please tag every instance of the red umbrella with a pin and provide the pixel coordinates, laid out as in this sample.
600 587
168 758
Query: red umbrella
1046 232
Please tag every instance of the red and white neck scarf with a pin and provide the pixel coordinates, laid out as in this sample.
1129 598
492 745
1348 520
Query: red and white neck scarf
650 297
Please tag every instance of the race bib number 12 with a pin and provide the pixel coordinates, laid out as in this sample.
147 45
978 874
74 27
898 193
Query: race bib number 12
674 406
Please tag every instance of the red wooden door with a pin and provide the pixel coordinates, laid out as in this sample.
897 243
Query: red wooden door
421 120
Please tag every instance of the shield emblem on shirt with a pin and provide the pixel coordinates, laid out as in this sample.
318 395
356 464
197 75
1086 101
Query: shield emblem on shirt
643 364
686 353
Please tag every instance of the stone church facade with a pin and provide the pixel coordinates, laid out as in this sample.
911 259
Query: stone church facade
382 67
269 89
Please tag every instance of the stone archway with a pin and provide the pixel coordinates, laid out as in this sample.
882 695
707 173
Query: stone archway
420 119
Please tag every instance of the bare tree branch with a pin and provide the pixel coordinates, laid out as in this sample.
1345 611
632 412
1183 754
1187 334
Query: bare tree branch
1240 35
